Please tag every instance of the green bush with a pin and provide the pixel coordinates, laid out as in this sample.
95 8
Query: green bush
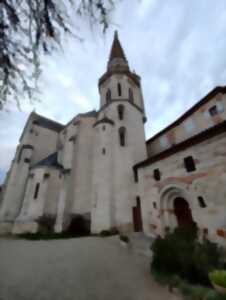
45 236
181 254
218 277
112 231
124 238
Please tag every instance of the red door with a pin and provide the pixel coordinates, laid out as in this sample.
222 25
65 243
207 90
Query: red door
183 212
137 218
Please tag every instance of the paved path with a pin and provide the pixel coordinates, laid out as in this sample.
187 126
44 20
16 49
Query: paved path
75 269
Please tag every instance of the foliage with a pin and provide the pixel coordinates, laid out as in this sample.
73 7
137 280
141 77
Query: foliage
30 29
189 291
180 253
47 236
46 223
218 277
112 231
124 238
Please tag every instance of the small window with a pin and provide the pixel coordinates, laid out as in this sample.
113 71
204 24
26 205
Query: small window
154 205
108 96
103 128
157 174
189 126
27 160
131 95
120 112
119 89
164 141
213 111
136 179
189 164
36 190
201 202
122 136
103 151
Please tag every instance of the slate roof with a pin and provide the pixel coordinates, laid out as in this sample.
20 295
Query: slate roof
116 49
49 161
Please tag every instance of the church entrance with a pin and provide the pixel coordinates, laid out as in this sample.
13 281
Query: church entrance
137 218
183 212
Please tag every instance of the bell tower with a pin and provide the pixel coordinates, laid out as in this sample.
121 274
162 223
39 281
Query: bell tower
119 144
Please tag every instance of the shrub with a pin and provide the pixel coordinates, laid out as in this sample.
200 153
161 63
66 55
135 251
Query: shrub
218 277
112 231
104 233
124 238
181 254
46 223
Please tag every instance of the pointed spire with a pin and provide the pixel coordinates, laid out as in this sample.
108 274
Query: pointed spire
116 49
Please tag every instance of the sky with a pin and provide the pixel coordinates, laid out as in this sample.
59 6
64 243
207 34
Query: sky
176 46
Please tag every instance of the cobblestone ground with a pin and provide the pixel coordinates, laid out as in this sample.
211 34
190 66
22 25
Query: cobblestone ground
75 269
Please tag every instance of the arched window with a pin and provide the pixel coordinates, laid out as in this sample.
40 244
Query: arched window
131 95
119 89
36 190
121 112
122 136
108 96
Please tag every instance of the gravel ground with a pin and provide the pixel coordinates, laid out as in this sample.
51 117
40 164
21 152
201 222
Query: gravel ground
75 269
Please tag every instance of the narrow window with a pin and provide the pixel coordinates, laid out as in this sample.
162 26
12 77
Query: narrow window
136 179
108 96
157 174
131 95
201 202
103 128
103 151
154 205
119 89
122 133
189 164
36 191
121 112
213 111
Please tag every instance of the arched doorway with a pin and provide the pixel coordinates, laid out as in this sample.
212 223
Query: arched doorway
175 208
183 212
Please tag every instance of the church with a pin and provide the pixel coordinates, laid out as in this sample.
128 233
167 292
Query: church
100 167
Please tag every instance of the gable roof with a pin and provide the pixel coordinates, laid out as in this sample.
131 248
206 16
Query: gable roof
207 98
43 122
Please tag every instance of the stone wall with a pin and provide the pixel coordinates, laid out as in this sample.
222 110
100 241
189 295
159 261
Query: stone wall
191 125
204 189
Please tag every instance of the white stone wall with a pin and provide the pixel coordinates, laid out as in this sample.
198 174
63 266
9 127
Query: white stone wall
114 191
207 181
126 83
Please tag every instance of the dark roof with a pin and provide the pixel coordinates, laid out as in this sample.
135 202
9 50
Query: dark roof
49 161
43 122
208 97
47 123
196 139
89 114
116 49
104 120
